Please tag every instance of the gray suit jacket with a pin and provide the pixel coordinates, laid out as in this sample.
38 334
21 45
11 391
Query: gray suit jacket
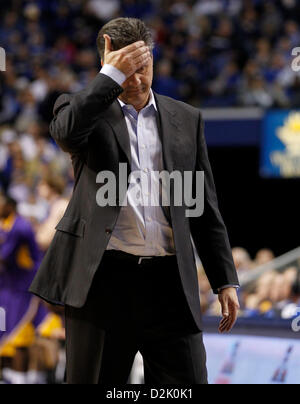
90 125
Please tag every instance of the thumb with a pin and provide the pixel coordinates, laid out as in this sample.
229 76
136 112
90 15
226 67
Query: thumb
108 47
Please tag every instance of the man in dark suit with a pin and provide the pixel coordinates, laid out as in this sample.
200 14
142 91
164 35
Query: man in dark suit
126 273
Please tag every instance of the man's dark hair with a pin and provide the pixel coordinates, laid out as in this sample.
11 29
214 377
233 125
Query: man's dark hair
124 32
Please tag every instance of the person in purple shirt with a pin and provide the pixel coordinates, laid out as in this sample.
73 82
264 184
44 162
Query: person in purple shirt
19 260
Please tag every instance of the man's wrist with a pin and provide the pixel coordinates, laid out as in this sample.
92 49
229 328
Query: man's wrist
227 287
114 73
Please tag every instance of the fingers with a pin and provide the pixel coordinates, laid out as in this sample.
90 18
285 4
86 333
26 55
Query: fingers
134 46
227 324
225 311
226 317
137 51
223 327
144 50
127 49
142 60
129 59
139 55
230 308
228 321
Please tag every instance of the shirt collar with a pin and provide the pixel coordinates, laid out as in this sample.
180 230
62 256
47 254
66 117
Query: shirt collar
150 103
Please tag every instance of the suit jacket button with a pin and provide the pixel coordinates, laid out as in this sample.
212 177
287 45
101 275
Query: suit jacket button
108 231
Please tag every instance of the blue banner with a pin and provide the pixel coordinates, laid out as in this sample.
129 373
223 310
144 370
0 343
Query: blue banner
280 149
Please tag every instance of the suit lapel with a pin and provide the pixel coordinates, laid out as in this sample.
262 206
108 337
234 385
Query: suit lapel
115 117
169 129
170 132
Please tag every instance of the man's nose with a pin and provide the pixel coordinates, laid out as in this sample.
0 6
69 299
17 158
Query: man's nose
135 80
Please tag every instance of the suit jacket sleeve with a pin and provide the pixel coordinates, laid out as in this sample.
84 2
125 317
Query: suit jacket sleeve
209 231
76 115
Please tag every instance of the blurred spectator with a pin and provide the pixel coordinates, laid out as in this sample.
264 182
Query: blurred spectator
256 93
206 295
51 189
242 260
20 258
272 295
47 353
263 256
275 295
259 302
163 81
104 9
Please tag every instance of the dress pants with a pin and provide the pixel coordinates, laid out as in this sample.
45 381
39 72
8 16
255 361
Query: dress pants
134 307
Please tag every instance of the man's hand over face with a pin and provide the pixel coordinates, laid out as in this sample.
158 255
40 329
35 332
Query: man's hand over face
129 59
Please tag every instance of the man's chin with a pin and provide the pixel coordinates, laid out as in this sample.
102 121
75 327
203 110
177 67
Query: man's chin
137 97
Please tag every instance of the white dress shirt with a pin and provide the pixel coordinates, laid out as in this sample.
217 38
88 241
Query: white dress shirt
142 230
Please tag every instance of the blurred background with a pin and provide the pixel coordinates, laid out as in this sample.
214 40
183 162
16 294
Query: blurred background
234 60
